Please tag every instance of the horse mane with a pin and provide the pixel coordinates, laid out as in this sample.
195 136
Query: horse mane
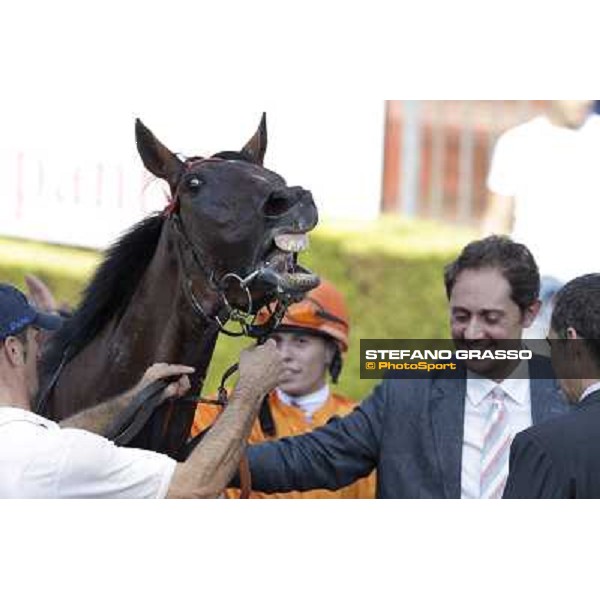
109 292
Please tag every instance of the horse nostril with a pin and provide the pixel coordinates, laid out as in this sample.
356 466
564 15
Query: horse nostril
277 204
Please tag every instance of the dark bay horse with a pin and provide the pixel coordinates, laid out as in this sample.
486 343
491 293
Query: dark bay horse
227 242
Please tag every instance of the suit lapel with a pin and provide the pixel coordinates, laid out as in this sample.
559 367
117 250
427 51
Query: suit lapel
447 415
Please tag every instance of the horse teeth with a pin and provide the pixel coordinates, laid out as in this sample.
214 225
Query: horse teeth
292 242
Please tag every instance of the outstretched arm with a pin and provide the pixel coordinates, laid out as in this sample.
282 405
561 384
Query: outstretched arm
331 457
98 418
210 467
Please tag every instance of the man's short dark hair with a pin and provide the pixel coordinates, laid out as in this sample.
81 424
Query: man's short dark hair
577 305
513 260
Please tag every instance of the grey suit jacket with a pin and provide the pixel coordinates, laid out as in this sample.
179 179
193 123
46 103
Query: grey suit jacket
411 431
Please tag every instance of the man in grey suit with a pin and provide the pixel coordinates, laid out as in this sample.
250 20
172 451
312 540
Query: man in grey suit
437 437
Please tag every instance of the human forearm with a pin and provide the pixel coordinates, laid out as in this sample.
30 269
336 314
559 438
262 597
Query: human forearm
213 463
209 468
98 418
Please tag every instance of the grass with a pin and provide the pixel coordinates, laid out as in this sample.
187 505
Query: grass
390 272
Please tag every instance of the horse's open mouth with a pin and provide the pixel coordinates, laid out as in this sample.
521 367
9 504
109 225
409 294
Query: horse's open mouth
281 269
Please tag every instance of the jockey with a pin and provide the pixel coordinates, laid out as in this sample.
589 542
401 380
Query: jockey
311 338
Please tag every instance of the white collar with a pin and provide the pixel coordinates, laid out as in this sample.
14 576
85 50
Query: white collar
516 386
308 403
590 390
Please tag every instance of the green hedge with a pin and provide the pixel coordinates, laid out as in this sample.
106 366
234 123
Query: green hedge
390 272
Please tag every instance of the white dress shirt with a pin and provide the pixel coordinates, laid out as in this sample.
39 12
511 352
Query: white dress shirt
477 407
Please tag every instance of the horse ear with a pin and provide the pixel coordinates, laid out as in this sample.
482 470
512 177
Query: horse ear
157 158
257 146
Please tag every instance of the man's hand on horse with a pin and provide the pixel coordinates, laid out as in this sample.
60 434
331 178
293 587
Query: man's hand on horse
40 295
157 371
261 366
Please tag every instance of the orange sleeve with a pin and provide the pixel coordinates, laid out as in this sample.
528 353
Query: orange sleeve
206 415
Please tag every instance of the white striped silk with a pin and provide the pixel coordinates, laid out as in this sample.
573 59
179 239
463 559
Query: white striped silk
496 447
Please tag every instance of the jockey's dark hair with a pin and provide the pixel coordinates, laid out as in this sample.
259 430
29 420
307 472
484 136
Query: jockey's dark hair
513 260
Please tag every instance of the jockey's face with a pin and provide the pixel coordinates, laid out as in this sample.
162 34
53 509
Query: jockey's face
306 359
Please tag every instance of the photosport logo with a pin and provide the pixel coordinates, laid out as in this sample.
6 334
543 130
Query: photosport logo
444 358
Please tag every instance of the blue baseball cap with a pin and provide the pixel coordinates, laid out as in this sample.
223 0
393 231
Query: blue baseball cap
16 313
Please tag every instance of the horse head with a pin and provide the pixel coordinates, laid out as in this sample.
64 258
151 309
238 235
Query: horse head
226 246
240 221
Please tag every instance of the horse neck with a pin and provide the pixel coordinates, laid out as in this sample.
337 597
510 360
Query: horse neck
159 325
161 322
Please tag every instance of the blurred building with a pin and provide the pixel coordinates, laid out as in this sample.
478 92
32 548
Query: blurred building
437 154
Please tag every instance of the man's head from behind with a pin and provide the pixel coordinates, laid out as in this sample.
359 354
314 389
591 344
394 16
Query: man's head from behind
19 348
575 335
312 337
492 288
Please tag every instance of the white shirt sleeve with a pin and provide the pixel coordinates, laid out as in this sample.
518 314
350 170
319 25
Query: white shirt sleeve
93 467
503 174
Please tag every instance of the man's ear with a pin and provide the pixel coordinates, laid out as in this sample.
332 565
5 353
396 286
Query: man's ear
580 353
14 351
530 313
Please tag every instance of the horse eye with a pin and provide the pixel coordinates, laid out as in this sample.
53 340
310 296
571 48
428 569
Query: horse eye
194 183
